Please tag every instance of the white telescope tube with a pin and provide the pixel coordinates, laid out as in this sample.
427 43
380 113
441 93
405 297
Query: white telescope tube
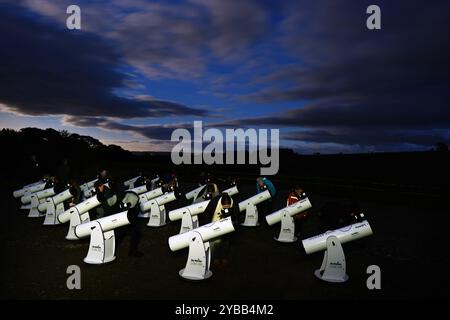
89 192
45 193
256 199
130 182
293 209
161 200
38 194
85 188
59 198
107 224
231 191
140 189
37 187
193 193
154 181
194 210
207 232
198 207
151 194
349 233
82 207
26 198
89 184
21 192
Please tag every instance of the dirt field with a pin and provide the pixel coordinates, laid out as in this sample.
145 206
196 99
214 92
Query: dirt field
405 245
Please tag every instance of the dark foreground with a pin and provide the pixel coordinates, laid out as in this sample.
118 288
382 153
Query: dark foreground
406 245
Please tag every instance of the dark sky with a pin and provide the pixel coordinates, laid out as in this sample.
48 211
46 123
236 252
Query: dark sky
139 69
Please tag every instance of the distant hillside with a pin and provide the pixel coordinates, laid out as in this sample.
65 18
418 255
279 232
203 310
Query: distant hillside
50 147
86 155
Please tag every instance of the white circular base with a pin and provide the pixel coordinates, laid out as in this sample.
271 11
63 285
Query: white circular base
250 225
319 275
286 241
208 275
146 215
98 261
50 223
36 216
157 226
71 238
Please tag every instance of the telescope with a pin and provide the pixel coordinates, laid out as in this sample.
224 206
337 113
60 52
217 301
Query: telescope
285 215
102 243
157 209
141 189
38 198
188 214
199 257
89 184
26 198
26 189
26 192
130 182
147 197
54 206
101 231
251 212
194 193
333 268
153 182
88 193
85 187
77 215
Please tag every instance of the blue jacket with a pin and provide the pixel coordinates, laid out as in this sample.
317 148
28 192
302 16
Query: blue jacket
269 185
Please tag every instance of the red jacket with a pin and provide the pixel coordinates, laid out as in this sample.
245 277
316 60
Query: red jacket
293 198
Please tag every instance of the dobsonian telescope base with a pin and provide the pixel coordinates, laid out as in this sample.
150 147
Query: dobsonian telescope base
251 216
34 212
52 213
333 265
287 232
188 222
199 259
76 219
157 215
144 215
101 247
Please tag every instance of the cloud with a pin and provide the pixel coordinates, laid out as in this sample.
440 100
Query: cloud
404 113
366 136
153 132
171 40
348 75
355 86
51 71
350 86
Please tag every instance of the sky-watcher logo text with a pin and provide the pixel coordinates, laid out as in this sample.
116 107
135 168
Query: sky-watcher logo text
213 147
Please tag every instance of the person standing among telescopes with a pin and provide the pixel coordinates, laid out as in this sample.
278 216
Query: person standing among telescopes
266 207
114 200
107 198
208 192
297 194
220 207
